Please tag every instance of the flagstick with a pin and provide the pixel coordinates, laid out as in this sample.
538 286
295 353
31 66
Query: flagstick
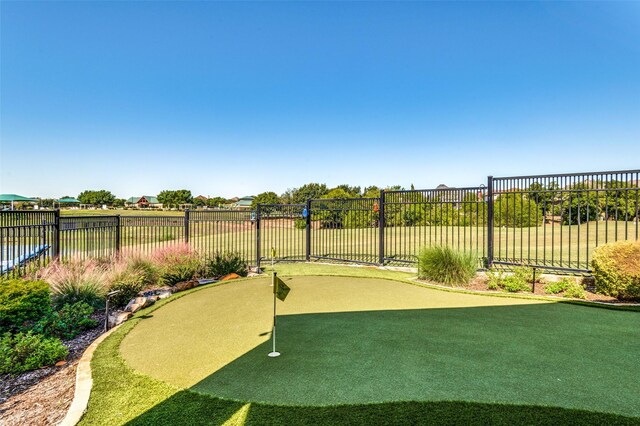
273 353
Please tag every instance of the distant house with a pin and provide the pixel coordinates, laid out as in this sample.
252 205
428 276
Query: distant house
143 202
243 203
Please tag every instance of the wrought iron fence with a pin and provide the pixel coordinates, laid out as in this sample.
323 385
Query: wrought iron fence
344 230
551 222
556 221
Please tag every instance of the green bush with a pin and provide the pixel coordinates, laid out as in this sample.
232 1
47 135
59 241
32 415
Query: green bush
514 284
66 323
616 269
177 264
22 302
575 290
558 286
223 264
179 272
445 265
517 281
28 351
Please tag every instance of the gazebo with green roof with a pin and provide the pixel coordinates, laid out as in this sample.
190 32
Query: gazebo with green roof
68 202
11 198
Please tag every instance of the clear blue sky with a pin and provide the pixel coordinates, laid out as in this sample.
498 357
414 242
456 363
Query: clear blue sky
240 98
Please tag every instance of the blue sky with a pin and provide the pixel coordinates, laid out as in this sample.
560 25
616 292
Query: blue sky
240 98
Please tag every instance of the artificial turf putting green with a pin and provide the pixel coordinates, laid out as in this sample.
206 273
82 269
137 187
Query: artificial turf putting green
355 340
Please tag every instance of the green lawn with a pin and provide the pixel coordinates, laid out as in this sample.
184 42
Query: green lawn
366 350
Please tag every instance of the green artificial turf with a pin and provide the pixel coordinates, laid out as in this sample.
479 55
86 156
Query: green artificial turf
418 351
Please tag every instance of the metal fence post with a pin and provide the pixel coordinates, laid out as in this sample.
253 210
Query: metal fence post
56 235
490 221
186 226
258 254
308 231
117 235
381 226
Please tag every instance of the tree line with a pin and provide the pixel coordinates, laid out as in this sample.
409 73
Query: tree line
613 200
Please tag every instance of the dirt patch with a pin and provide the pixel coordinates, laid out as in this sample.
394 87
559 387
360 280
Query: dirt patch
43 396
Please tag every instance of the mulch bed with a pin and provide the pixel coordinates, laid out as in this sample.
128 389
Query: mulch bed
479 283
43 396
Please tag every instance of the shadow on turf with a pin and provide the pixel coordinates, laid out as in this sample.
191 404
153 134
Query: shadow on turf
190 408
496 353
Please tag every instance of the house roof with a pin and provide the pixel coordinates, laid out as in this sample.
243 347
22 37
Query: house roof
150 199
244 202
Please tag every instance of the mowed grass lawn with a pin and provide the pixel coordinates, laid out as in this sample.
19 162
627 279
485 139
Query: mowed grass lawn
369 348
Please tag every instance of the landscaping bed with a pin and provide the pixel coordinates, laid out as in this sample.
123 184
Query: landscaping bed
42 396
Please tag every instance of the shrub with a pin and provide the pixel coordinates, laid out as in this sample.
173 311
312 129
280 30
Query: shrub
616 269
514 284
226 263
22 301
78 281
177 264
129 279
518 281
495 278
575 290
68 322
144 267
28 351
557 287
445 265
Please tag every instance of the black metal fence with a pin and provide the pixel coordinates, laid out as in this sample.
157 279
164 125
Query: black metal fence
551 222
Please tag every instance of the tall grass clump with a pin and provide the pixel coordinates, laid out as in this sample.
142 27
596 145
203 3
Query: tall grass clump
225 263
177 263
445 265
77 281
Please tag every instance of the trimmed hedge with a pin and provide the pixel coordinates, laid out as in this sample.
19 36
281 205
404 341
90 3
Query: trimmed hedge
616 269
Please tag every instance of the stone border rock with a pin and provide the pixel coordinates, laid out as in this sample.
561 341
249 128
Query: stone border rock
84 382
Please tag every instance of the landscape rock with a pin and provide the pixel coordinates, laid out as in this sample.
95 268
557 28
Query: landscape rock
118 317
139 303
186 285
163 294
231 276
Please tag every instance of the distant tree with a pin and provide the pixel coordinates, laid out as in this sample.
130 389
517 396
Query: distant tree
307 191
216 202
265 198
516 210
199 202
371 192
119 202
394 188
170 198
46 203
353 191
97 198
338 193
